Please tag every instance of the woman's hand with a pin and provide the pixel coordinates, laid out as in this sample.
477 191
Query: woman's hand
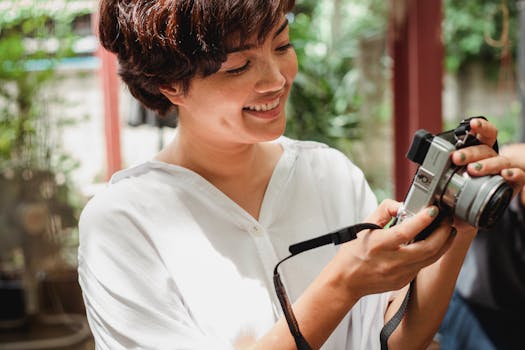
483 160
381 260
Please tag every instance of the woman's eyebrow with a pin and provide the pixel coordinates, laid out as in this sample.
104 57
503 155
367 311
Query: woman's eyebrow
252 46
281 28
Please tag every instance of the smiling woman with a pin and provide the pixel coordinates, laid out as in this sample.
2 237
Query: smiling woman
179 252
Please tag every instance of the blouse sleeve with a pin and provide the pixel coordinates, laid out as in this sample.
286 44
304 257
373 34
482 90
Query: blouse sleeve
131 300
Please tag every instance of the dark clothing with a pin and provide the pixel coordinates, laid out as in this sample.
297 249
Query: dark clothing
489 303
506 246
469 326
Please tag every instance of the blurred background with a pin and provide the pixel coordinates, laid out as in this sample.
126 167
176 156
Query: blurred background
371 73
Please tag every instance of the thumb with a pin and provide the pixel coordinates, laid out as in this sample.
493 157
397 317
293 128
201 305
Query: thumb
384 212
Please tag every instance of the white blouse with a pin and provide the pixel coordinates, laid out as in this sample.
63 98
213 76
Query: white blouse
167 261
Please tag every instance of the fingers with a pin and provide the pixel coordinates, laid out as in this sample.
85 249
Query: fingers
414 256
407 230
384 212
516 154
480 160
472 154
485 132
435 245
514 177
380 259
488 166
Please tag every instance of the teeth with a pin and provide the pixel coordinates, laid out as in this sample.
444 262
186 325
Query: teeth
264 107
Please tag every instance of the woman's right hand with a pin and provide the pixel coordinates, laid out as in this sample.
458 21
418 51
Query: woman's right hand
381 260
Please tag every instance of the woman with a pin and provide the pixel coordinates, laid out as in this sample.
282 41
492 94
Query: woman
178 252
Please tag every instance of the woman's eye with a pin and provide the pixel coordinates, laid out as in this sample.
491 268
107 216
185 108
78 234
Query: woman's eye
284 47
239 70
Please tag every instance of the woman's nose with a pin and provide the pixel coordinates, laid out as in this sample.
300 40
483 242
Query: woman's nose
271 78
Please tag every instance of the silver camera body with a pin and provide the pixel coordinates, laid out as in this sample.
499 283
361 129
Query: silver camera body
478 200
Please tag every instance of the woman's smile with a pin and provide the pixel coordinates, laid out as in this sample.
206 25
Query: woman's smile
267 110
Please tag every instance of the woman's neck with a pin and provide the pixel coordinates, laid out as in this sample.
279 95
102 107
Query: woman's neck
242 172
215 160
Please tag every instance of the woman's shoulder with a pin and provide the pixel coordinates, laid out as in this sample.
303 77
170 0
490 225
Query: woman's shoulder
134 189
137 207
122 184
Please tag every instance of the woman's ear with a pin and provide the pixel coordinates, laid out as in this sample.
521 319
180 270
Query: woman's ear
173 93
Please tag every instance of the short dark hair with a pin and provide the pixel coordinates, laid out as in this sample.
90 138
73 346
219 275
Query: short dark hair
159 43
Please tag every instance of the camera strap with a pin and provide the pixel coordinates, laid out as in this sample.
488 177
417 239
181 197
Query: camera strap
463 132
337 237
392 324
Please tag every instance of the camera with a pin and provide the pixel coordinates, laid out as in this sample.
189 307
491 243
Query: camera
480 201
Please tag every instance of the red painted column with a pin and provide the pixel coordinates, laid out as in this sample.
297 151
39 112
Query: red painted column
110 92
417 51
109 77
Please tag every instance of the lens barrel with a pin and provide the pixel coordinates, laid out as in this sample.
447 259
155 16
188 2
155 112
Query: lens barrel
496 206
480 201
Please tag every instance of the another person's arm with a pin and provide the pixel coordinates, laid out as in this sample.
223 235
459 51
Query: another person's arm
435 283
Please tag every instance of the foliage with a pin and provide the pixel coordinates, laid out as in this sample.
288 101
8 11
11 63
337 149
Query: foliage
32 40
325 101
465 25
320 101
336 99
34 169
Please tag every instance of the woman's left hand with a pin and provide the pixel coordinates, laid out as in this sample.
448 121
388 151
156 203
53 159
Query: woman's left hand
484 160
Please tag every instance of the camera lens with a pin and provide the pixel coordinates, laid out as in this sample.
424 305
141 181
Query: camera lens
496 206
478 200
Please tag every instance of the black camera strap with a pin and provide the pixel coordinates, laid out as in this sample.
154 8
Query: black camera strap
463 132
392 324
344 235
337 237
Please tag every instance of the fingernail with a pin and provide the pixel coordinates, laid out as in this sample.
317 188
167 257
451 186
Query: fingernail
509 172
432 211
462 156
478 166
453 231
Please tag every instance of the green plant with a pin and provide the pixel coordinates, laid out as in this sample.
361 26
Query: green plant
325 101
39 204
33 39
320 105
465 25
338 96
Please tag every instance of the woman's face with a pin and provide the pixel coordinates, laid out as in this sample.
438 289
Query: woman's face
244 102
